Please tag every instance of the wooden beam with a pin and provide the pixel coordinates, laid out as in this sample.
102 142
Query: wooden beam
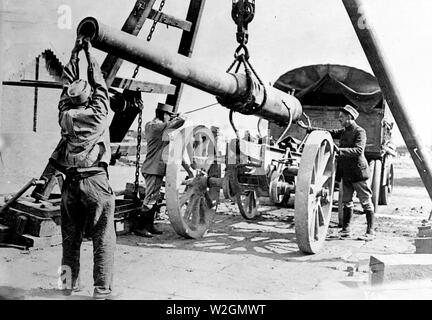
33 83
132 25
187 44
36 96
121 83
147 87
170 20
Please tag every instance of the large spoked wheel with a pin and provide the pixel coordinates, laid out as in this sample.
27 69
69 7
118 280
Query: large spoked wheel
375 181
387 187
191 204
314 192
247 203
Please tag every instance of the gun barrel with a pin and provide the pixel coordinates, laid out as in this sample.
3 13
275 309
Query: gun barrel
230 89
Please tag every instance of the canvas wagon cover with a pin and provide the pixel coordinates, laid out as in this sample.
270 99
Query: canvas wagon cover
332 85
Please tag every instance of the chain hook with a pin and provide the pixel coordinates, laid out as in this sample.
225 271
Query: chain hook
238 53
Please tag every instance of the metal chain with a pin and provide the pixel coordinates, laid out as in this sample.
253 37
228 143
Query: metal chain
138 155
152 29
139 133
138 147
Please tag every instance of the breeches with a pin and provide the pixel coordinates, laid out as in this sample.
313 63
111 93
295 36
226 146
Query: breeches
364 194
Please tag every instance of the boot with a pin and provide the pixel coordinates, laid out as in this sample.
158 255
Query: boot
347 214
150 224
370 222
142 221
147 228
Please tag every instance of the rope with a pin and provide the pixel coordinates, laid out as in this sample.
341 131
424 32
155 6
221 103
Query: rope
287 127
201 108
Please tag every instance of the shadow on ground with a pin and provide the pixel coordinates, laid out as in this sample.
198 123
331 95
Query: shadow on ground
10 293
270 235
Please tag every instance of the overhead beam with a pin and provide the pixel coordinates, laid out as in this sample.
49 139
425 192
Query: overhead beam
170 20
120 83
186 46
132 25
146 87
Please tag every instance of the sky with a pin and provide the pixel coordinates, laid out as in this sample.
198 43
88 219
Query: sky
285 34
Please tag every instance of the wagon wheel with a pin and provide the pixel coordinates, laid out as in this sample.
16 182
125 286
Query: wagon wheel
340 204
314 191
247 203
387 189
191 204
375 181
277 194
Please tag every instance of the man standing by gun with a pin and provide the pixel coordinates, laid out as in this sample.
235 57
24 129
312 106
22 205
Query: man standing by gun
83 154
354 169
154 166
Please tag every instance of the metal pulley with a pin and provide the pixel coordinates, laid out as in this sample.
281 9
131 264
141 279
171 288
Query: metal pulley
243 12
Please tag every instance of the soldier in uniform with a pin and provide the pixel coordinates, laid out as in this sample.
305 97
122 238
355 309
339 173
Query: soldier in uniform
83 154
154 166
354 169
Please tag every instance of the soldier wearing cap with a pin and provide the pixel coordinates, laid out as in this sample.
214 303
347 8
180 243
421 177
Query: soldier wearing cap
154 166
83 154
354 169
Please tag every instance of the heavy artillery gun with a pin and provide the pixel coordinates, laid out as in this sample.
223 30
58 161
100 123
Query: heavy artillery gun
253 170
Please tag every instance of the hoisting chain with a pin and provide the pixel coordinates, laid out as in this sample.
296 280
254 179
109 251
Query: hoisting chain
138 155
155 22
139 138
243 12
247 105
139 131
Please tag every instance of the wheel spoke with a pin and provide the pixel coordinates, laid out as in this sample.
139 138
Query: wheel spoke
185 197
203 208
320 213
316 225
314 190
194 206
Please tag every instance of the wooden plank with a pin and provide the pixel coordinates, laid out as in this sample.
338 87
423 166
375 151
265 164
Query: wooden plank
121 83
43 210
170 20
132 25
186 47
143 86
35 226
39 242
400 267
34 83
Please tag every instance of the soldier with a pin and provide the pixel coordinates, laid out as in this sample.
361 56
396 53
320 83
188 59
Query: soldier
83 154
354 169
154 166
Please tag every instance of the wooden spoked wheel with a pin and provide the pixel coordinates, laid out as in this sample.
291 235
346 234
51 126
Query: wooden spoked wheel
387 189
191 204
247 203
314 192
375 180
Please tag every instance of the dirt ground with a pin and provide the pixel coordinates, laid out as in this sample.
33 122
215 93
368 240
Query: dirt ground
239 259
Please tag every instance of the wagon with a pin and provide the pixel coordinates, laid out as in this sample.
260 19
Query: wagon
323 90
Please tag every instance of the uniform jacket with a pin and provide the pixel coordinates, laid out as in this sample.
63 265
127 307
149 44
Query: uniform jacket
85 138
352 163
157 141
